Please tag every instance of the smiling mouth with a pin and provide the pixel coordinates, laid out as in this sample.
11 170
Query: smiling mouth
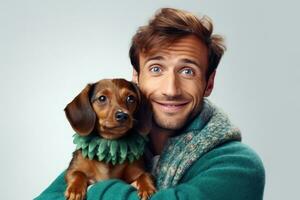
171 107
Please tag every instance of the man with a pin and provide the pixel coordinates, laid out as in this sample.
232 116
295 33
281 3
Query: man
196 152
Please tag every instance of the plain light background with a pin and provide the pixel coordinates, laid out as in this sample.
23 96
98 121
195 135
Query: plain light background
49 50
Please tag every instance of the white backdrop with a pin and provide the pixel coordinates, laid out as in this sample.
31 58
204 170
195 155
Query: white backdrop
49 50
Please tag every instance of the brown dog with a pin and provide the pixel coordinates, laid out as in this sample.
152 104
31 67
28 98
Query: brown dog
111 109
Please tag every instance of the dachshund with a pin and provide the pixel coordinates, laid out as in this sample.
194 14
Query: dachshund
110 109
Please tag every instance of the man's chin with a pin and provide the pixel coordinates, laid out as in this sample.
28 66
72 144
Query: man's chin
171 125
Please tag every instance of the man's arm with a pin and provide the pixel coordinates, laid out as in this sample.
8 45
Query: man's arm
56 190
231 171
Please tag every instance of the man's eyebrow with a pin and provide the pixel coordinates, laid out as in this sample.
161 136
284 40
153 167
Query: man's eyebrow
189 61
154 58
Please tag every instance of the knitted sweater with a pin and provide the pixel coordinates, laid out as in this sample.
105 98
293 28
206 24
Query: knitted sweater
211 163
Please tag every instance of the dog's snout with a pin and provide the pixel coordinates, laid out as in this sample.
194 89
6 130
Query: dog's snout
121 116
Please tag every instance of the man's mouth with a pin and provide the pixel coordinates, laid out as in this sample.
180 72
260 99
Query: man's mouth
171 106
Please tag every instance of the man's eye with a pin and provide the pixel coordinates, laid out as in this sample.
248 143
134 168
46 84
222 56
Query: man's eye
187 71
130 99
155 69
102 99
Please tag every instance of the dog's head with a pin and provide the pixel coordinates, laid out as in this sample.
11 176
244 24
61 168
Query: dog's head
110 107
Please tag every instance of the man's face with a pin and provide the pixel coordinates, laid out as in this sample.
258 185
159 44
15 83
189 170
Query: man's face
174 80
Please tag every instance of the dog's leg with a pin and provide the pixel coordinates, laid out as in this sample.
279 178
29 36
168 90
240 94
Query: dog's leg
77 183
142 181
145 186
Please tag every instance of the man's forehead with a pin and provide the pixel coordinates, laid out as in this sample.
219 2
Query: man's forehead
188 45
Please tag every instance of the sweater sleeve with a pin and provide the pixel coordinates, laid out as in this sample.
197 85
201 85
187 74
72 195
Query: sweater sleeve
230 172
55 191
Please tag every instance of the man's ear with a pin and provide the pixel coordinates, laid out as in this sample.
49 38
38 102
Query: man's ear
80 113
135 76
210 84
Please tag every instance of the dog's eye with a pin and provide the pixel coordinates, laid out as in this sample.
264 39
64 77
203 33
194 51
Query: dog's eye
102 98
130 99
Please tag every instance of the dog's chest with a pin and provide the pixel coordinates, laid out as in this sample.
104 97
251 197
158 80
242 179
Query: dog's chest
106 171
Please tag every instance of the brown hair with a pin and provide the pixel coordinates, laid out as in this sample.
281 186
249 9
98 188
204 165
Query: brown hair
169 25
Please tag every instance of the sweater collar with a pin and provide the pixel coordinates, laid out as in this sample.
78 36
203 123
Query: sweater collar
206 131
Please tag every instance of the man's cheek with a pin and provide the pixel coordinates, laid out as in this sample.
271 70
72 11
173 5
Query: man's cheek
147 86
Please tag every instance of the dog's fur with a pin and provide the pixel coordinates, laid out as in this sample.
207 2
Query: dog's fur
91 113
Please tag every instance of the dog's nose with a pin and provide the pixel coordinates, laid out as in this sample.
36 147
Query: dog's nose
121 116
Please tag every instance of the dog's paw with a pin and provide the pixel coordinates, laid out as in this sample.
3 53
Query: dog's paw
75 192
146 191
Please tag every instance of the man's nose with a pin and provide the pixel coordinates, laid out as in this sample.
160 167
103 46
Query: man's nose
171 85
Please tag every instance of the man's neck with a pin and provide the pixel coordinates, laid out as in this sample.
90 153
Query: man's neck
158 139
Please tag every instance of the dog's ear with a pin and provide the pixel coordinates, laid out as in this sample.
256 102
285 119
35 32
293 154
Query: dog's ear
80 112
143 113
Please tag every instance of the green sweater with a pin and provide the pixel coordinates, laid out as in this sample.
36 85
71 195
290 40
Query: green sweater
206 161
231 171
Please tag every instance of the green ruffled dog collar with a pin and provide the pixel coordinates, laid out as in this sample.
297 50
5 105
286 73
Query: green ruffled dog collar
128 148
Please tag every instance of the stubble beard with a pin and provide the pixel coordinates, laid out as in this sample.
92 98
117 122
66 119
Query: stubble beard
169 124
174 122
